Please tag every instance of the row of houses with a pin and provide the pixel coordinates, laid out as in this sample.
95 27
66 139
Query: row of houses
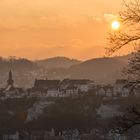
48 88
76 87
67 88
75 134
64 88
120 88
70 134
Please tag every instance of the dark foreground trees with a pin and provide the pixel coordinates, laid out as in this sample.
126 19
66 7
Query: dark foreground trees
129 35
128 124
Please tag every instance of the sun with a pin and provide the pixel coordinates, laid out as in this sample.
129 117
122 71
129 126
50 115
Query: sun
115 25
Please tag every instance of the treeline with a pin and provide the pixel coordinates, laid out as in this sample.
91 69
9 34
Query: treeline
16 64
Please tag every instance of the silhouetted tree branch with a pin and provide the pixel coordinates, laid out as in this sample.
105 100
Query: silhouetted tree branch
132 13
132 71
129 33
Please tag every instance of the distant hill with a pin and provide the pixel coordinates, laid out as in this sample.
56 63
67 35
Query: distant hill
57 62
24 71
17 64
102 70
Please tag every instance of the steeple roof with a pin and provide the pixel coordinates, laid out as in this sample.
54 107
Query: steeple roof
10 80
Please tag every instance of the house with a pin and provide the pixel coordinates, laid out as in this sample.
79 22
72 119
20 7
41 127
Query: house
118 87
45 135
126 91
100 91
36 94
109 91
71 134
83 85
104 90
64 88
53 92
46 88
40 135
11 136
136 91
72 90
40 85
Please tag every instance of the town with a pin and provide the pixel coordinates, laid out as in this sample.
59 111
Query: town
68 88
48 92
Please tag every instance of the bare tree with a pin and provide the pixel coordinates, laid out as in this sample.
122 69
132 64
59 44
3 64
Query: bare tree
130 31
129 120
132 71
129 34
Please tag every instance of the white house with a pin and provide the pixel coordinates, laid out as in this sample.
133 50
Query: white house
109 92
125 91
53 92
136 91
83 85
118 87
101 91
71 91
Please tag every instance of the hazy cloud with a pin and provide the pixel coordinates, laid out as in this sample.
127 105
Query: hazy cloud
110 17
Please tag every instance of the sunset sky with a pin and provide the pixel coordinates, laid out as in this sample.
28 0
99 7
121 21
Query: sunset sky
39 29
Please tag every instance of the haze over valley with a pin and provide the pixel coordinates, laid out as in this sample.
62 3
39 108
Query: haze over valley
101 70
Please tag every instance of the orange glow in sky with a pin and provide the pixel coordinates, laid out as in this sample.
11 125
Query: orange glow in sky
45 28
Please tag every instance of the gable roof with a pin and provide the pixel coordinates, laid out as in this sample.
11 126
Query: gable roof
76 81
46 83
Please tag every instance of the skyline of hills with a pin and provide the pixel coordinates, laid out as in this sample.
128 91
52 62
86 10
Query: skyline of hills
57 62
101 70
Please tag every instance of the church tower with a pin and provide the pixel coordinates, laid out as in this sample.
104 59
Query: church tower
10 81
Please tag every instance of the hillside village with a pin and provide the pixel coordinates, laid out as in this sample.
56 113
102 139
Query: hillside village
68 88
70 70
50 100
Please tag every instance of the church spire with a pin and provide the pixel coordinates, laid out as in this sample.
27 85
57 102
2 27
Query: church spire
10 80
10 74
